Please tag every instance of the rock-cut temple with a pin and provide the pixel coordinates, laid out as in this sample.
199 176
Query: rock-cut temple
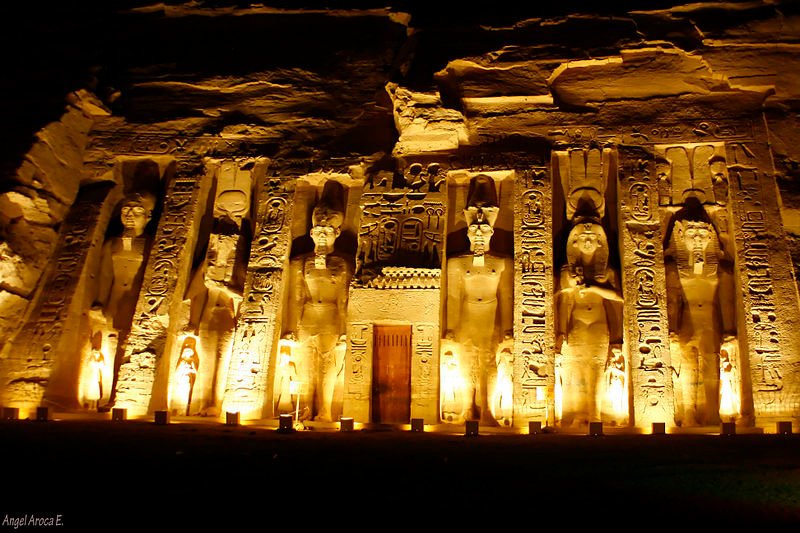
536 235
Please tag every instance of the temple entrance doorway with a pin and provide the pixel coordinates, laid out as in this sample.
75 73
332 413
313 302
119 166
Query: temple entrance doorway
391 379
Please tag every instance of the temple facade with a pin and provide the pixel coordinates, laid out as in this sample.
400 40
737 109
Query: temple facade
550 255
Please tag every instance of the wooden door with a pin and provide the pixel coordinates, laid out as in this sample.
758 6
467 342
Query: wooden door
391 375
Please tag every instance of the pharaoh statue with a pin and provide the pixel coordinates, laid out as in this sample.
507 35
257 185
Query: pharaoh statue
123 261
215 291
318 301
697 283
479 304
587 321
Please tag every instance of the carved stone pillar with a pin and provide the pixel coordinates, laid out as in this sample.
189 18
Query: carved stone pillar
250 381
43 361
144 374
645 322
769 324
534 371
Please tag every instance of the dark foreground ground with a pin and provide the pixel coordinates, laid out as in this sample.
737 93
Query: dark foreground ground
122 476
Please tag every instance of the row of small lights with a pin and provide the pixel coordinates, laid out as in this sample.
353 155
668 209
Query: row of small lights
286 423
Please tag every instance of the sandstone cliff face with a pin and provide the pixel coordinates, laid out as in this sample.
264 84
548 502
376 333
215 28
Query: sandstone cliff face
318 84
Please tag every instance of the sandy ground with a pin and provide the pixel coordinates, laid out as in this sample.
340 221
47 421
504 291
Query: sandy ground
101 475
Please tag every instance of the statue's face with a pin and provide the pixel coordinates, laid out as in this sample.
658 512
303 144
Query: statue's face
479 235
134 217
232 204
324 237
588 243
696 237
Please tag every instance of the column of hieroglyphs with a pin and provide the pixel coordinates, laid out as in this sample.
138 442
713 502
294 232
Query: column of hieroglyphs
165 278
50 344
533 297
249 381
645 326
770 316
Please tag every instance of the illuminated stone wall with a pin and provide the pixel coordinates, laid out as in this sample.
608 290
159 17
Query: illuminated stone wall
661 142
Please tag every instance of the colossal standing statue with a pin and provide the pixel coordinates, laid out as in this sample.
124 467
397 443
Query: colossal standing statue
699 325
123 261
479 302
586 321
318 302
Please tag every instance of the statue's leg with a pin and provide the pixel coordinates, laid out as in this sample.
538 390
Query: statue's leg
488 375
689 382
710 390
328 372
471 372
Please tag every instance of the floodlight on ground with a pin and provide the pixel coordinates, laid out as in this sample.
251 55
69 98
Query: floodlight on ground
285 423
232 418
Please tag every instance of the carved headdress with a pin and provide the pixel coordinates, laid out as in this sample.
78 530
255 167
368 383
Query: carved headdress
482 204
596 270
329 210
142 198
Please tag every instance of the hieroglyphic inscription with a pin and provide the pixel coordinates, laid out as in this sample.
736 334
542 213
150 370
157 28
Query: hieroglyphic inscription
359 356
533 297
698 131
249 373
42 336
402 221
754 233
169 261
645 315
424 382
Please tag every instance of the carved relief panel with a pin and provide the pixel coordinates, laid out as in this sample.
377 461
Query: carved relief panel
402 222
645 318
770 313
533 297
249 381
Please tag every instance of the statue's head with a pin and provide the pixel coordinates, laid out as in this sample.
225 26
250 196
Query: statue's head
189 345
587 247
481 213
695 239
135 212
233 205
328 217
